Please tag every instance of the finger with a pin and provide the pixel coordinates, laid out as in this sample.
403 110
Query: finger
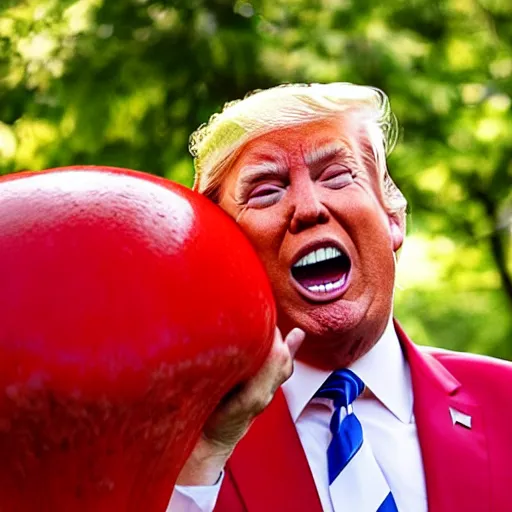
278 337
294 340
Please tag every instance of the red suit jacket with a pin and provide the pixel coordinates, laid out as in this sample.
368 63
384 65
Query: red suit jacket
466 469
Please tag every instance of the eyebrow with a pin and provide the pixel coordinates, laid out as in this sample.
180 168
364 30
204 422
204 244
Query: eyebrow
252 173
328 152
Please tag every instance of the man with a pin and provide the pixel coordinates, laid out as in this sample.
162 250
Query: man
367 421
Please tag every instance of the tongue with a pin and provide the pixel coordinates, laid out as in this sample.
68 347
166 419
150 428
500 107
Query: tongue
328 271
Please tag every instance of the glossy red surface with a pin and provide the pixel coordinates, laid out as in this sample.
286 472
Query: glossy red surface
129 305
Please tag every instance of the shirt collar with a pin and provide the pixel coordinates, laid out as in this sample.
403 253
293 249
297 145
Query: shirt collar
383 369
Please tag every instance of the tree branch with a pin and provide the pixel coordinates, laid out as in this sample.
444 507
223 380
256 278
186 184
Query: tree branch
496 241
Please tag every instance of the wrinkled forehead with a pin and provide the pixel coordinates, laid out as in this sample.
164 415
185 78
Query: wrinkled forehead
347 137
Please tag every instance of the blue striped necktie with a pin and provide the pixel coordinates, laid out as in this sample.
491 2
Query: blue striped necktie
354 475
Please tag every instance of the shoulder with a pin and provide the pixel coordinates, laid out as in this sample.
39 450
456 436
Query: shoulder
466 367
475 361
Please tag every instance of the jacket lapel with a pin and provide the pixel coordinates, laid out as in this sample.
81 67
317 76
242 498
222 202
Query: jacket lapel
455 457
269 466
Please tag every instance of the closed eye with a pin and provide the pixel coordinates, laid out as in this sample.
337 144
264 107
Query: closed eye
336 176
264 195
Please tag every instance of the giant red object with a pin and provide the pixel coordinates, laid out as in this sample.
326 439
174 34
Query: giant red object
129 306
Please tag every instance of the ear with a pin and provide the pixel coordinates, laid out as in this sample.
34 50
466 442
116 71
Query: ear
396 230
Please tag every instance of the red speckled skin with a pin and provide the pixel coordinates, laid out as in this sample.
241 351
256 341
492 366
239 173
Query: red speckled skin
129 305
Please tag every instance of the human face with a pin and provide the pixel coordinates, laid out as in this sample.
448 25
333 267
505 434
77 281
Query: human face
313 190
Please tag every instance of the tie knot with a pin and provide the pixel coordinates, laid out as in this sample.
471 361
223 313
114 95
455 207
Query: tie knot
342 386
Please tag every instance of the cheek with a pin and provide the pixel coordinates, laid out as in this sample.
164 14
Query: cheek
367 222
374 244
367 225
265 229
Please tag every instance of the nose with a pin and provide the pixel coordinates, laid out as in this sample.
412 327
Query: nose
308 209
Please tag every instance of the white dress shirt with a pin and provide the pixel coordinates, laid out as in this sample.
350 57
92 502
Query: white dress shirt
388 426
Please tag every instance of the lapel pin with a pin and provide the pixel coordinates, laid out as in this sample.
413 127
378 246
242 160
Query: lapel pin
460 418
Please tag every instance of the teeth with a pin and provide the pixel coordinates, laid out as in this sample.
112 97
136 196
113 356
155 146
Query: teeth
323 254
327 287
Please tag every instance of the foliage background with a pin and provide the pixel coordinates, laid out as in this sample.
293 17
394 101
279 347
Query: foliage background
125 82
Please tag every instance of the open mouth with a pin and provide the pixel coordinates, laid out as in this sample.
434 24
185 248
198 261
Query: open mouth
323 271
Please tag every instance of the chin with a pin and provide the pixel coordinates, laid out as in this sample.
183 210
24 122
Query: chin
335 319
337 334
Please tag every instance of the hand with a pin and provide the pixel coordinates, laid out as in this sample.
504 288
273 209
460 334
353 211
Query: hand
232 418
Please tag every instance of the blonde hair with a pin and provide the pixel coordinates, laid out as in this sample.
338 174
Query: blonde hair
215 145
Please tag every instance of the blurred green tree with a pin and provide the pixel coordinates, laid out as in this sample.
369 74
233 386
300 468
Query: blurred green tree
124 83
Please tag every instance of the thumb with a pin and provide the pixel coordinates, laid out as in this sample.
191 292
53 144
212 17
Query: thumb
294 340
